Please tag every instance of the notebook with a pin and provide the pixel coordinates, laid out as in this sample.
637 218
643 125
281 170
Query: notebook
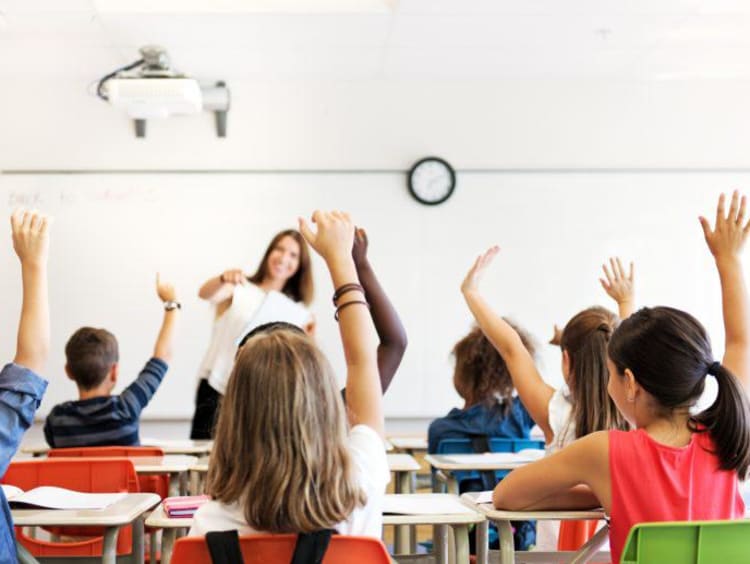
49 497
424 504
183 506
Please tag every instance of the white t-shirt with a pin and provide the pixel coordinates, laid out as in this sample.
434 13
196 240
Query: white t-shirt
560 420
371 469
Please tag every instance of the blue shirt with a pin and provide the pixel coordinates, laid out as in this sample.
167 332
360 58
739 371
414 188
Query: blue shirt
105 420
481 419
21 393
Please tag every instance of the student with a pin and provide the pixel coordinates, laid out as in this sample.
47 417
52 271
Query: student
21 390
482 380
582 405
285 267
99 418
283 460
674 466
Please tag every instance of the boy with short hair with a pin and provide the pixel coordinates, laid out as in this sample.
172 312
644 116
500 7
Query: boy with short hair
21 389
99 418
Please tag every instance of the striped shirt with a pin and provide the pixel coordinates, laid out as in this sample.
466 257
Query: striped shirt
106 420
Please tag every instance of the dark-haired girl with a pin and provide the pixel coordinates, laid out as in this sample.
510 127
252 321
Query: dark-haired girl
674 466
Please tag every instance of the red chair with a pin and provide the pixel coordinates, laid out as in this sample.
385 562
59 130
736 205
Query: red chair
574 534
110 475
158 484
261 549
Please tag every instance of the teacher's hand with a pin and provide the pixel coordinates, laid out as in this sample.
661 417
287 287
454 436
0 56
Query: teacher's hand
233 276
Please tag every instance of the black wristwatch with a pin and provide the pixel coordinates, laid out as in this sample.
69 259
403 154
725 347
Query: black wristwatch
171 304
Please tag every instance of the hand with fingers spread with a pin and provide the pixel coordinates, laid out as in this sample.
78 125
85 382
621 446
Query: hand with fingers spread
729 234
30 237
165 290
619 285
476 272
335 235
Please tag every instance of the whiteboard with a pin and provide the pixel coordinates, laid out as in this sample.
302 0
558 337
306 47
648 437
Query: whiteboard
112 232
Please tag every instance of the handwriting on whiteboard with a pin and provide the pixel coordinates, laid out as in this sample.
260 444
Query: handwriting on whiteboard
36 198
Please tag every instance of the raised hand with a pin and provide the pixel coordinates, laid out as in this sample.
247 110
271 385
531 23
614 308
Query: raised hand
233 276
619 285
728 236
334 238
359 250
30 237
165 290
556 336
474 276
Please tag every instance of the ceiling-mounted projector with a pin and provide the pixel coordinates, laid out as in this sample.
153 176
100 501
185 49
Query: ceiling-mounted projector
150 89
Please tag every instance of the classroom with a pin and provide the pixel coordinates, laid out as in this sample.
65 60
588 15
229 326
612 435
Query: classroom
373 281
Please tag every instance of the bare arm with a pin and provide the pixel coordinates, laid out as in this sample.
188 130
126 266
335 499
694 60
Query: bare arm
620 286
31 243
390 330
220 288
726 241
577 477
333 241
163 349
533 391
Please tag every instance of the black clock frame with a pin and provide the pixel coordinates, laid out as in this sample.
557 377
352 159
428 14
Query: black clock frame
431 202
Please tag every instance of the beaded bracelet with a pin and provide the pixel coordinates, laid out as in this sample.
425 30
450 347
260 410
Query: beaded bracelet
347 304
344 289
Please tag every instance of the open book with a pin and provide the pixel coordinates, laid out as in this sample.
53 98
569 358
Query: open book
49 497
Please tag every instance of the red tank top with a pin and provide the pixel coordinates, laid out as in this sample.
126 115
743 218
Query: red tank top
655 482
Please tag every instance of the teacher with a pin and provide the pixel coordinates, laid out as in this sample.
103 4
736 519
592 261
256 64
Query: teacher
285 268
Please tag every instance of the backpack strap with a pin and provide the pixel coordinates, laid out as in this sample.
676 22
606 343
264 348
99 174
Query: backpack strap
480 444
311 547
224 547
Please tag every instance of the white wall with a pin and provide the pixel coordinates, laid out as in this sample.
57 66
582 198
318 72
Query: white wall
356 125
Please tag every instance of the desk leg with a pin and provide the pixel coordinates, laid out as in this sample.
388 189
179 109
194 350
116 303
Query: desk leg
401 535
452 484
174 485
194 483
441 544
167 544
138 541
24 557
483 542
589 550
109 548
507 551
461 535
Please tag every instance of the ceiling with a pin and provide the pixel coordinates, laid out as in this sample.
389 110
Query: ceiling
383 39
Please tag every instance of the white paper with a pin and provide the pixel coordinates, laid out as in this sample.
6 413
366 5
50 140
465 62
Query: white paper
59 498
424 505
484 497
497 457
11 491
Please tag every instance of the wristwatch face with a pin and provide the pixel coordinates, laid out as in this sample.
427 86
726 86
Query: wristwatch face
431 181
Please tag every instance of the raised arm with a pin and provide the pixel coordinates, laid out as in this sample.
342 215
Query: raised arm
219 288
31 243
620 286
725 242
333 241
164 342
390 330
534 392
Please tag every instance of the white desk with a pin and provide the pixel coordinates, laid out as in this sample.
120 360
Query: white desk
507 552
446 465
195 448
128 510
459 522
176 465
409 445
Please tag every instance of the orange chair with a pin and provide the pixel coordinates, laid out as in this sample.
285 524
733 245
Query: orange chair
574 534
158 484
110 475
261 549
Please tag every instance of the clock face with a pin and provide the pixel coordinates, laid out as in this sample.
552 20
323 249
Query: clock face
431 181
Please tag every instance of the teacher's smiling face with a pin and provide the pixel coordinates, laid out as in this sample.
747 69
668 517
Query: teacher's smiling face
283 260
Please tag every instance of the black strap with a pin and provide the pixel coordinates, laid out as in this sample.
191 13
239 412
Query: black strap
224 547
310 548
480 444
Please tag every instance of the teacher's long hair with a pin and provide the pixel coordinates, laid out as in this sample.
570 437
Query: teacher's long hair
280 447
299 287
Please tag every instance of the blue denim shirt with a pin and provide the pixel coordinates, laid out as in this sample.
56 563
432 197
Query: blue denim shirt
21 393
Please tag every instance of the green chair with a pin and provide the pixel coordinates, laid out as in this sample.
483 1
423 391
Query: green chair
688 542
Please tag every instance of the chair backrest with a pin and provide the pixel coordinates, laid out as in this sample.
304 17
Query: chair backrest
688 542
260 549
496 444
153 483
90 475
